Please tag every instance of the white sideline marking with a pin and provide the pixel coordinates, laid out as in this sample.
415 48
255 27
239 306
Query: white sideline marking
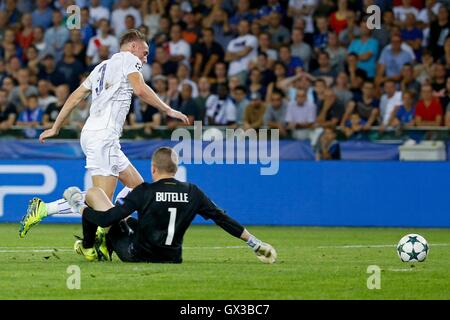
377 246
401 270
34 247
68 249
216 248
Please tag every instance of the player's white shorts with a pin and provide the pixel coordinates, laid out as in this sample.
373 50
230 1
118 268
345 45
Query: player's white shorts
104 156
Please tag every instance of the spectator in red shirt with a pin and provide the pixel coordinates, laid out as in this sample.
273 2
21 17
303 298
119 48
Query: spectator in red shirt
415 3
428 109
24 37
338 19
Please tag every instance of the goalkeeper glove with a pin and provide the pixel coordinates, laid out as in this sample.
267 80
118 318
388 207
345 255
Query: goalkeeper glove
75 199
264 251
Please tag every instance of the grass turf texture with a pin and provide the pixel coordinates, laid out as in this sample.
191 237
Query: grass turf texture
312 264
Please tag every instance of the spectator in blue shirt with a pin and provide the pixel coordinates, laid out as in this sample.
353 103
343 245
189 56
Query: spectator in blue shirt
413 35
108 4
404 115
365 106
42 15
87 30
243 13
329 148
70 67
13 14
392 60
354 126
320 38
291 63
265 11
56 36
366 48
31 117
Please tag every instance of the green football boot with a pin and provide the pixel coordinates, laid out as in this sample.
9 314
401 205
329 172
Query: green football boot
90 254
104 254
37 210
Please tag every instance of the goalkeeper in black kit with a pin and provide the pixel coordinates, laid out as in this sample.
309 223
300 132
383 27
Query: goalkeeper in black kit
165 210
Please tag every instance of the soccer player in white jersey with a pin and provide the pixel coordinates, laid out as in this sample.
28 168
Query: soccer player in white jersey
111 84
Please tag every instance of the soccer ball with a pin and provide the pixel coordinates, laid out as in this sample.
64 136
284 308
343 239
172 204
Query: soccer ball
412 248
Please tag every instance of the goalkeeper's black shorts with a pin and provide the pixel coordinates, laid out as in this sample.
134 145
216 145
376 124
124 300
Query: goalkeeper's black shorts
122 239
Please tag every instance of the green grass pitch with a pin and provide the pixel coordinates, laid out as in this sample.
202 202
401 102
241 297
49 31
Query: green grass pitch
313 263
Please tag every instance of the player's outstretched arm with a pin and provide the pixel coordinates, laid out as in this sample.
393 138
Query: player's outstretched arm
264 251
74 99
143 91
208 210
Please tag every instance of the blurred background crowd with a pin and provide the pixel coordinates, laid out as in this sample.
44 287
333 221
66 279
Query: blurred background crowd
300 66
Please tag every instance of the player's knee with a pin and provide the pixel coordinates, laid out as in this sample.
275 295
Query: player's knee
93 194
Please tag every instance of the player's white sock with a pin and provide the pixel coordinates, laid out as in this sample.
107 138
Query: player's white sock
60 206
122 194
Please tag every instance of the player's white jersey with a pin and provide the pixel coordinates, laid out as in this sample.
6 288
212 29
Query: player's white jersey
111 92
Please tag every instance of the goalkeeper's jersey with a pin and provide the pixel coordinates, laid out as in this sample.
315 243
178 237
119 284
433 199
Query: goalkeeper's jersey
165 210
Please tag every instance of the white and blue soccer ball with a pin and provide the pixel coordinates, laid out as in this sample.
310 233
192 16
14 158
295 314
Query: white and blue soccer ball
413 248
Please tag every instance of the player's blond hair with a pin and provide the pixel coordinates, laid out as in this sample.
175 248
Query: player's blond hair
130 36
165 160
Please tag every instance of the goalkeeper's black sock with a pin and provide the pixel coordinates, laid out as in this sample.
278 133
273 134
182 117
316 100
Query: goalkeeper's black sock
89 230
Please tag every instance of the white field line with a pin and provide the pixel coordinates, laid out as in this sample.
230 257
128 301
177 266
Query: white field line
33 247
377 246
35 251
401 270
68 249
38 249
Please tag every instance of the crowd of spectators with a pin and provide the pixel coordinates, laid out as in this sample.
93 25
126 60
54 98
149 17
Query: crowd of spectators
296 65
